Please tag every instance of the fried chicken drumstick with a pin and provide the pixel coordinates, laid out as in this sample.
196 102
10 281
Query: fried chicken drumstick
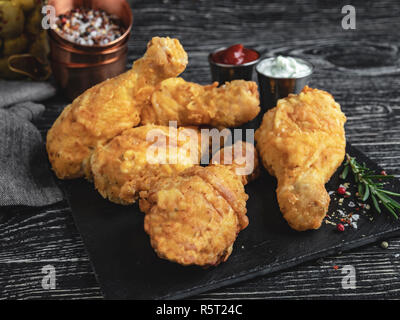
127 165
107 109
194 218
302 142
230 105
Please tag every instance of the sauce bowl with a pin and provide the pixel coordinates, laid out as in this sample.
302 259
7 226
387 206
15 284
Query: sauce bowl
274 88
227 72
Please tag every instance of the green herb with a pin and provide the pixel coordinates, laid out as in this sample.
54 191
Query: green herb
371 185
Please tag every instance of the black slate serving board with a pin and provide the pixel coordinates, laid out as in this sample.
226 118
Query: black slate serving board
127 267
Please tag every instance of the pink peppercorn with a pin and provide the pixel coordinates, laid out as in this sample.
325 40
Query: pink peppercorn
341 190
340 227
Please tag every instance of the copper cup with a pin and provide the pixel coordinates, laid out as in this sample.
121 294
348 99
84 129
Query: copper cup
77 67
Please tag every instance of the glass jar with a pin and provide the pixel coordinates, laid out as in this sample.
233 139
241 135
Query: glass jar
23 42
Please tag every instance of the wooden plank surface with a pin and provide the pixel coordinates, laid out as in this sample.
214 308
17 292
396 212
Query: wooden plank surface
359 67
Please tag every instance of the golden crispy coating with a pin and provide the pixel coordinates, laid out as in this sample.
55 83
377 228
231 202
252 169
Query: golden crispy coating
230 105
107 109
194 218
302 142
134 160
242 158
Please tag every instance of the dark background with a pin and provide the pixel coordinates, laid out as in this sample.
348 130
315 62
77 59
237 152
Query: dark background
359 67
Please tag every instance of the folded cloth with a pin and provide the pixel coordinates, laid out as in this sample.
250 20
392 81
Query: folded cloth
12 92
27 110
25 176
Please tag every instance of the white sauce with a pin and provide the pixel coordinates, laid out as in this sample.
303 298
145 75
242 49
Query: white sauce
283 67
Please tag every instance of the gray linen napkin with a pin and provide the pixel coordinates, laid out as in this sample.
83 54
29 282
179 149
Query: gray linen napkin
12 92
25 176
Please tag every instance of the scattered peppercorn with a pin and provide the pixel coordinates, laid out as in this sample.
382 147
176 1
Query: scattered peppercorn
384 245
341 190
340 227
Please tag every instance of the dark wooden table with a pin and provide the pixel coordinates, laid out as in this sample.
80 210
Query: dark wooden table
359 67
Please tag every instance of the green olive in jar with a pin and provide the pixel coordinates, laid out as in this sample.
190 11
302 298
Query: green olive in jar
11 19
26 5
15 45
40 47
23 41
34 22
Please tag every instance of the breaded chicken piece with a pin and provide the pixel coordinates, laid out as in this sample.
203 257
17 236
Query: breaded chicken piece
107 109
134 160
302 142
230 105
195 217
242 158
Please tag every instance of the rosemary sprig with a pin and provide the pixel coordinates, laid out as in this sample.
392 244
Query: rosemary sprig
371 185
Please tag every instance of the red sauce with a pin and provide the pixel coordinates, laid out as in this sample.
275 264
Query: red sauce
236 54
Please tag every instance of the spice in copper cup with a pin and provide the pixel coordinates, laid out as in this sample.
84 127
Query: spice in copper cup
87 26
77 65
